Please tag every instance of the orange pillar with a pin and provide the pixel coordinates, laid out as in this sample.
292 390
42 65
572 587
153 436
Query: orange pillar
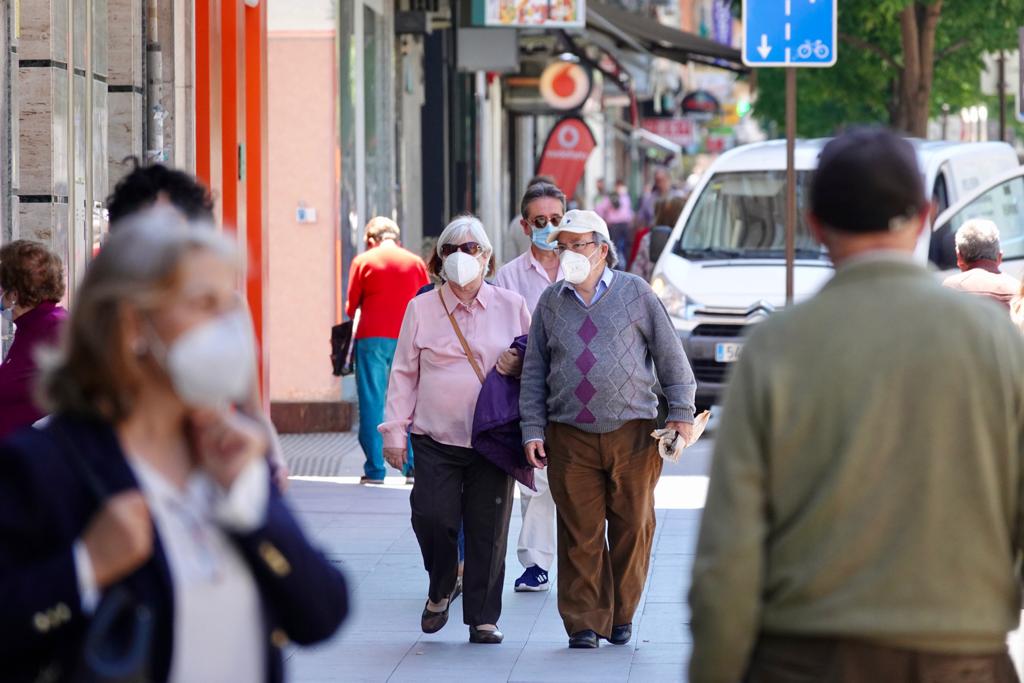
231 106
256 179
208 95
232 196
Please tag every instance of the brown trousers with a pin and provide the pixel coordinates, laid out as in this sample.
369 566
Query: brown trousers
780 659
596 478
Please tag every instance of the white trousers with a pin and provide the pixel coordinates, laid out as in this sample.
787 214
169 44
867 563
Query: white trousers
537 537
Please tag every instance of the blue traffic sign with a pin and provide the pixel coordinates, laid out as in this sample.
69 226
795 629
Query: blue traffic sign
799 33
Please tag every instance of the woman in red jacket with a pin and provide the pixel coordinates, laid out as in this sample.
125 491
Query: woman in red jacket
31 287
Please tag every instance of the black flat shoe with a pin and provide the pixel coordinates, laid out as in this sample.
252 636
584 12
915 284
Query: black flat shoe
432 622
485 637
584 640
621 634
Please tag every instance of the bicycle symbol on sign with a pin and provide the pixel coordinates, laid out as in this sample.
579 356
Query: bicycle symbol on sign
818 48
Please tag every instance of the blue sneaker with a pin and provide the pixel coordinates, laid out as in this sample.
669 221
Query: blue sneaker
533 580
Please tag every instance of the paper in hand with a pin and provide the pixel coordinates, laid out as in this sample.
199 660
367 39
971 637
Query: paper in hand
671 445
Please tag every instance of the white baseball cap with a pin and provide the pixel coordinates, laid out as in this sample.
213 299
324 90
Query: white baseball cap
581 222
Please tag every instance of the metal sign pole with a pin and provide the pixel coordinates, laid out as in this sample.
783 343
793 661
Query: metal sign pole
790 180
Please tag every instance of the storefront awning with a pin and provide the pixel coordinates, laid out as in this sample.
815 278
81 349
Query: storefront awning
633 30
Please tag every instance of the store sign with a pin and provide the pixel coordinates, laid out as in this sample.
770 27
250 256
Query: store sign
565 154
530 13
565 85
681 131
701 103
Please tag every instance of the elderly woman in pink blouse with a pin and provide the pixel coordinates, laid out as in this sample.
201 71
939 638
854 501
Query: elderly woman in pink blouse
432 396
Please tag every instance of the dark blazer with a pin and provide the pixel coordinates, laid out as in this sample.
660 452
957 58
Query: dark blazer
45 507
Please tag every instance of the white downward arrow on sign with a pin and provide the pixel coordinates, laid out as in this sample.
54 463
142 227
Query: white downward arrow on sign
764 49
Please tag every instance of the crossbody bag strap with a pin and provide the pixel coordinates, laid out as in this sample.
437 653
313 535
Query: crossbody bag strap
462 339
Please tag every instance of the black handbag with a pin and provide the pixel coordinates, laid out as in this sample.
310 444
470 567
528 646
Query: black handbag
342 349
119 639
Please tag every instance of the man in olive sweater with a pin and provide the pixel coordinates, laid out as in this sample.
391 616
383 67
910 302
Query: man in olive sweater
864 513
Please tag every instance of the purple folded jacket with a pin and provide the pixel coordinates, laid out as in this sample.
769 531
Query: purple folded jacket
496 433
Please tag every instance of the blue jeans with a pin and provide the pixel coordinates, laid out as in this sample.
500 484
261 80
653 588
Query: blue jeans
373 357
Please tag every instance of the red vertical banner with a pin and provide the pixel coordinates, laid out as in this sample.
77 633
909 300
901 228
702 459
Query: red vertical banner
565 155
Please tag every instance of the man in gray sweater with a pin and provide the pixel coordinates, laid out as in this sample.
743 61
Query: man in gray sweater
864 515
588 406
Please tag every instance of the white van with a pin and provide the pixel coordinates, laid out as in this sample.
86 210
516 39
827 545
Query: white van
723 267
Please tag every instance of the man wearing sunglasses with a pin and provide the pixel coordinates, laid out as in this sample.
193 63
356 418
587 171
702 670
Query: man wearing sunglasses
529 275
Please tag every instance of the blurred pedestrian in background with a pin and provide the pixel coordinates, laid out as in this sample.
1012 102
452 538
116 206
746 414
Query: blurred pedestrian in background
653 242
599 343
382 282
450 337
31 288
155 185
660 188
514 241
538 268
979 255
863 520
617 211
150 482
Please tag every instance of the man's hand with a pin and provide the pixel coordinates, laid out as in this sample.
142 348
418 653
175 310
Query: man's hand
226 442
119 538
535 454
395 457
281 474
685 431
509 363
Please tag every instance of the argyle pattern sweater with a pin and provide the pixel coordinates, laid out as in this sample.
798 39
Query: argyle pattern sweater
596 368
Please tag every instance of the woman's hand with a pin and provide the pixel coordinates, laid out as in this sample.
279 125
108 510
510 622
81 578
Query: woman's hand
509 363
226 443
395 457
119 538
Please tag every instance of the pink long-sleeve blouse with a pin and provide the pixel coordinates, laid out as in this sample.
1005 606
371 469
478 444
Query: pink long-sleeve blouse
433 388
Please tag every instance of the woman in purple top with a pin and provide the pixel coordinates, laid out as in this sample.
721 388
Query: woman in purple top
31 287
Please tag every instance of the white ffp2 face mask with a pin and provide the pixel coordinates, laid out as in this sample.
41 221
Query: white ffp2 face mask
576 267
461 268
214 364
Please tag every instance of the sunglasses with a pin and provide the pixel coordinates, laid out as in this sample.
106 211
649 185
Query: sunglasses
471 248
541 222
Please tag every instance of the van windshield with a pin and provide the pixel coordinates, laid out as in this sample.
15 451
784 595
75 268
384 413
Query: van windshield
743 215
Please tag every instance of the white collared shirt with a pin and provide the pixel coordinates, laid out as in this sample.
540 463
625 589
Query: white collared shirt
219 633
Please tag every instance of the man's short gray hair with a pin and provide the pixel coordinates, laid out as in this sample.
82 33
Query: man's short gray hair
613 255
978 240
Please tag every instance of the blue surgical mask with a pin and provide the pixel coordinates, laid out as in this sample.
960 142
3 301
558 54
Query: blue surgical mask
541 237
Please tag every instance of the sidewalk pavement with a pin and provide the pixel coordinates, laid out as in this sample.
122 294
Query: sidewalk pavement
366 531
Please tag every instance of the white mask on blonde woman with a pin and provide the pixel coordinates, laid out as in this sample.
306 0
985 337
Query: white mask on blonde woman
213 365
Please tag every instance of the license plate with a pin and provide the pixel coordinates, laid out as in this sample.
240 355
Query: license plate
727 352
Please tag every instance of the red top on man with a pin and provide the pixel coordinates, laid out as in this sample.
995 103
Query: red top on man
383 280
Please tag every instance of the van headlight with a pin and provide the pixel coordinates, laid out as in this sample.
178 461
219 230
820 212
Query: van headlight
676 303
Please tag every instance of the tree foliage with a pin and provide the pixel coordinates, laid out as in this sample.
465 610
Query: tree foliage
898 62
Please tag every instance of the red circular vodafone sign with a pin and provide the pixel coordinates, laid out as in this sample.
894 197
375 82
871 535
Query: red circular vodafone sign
565 85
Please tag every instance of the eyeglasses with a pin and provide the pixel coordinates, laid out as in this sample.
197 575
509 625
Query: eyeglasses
471 248
541 222
575 246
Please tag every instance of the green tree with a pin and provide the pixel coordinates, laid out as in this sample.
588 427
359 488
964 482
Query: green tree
898 62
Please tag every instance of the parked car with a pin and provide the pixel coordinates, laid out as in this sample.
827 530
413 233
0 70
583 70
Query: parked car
723 268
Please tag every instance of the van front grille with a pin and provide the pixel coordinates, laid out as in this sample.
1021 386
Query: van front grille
710 371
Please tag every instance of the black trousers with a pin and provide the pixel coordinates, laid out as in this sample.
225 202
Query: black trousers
458 486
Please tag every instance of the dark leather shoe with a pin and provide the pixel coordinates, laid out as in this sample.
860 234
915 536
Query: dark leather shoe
584 640
432 622
621 634
485 637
